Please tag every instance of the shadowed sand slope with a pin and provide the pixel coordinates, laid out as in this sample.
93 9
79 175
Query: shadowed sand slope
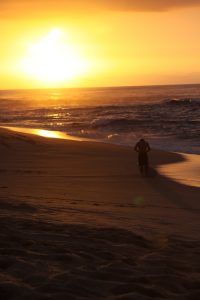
70 261
78 222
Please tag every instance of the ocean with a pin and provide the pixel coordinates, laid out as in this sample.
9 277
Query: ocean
167 116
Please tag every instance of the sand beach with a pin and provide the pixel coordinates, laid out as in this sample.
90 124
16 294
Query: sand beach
79 222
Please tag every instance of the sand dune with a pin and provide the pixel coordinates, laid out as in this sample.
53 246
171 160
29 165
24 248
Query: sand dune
78 222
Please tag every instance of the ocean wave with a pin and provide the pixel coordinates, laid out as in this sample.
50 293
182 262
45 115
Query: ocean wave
182 101
119 117
147 122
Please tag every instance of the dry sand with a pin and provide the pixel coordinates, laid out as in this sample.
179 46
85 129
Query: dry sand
78 222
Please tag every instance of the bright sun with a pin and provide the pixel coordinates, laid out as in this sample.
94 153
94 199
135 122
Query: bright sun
52 60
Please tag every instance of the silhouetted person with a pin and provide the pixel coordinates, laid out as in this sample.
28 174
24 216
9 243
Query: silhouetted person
142 147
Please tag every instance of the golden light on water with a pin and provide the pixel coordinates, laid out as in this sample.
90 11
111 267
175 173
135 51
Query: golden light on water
54 60
40 132
48 133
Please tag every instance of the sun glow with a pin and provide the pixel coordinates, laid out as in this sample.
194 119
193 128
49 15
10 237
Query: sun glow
55 60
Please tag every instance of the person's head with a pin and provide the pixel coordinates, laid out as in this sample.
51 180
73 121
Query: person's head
141 140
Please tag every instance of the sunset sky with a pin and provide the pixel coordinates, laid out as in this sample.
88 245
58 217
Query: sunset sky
47 43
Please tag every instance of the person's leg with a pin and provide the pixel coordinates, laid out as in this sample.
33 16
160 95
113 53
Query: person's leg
146 168
146 164
141 169
140 163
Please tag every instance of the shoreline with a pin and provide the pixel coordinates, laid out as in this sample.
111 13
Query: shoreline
177 171
185 172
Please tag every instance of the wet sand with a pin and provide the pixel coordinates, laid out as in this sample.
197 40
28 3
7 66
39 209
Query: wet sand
186 172
78 222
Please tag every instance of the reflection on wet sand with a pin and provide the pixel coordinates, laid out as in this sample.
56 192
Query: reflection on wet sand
46 133
186 172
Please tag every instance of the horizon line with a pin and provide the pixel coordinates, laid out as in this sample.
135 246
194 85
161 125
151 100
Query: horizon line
101 87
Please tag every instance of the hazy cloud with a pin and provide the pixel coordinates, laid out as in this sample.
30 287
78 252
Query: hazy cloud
151 5
120 5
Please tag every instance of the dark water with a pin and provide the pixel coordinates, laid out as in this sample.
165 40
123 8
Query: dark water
168 116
